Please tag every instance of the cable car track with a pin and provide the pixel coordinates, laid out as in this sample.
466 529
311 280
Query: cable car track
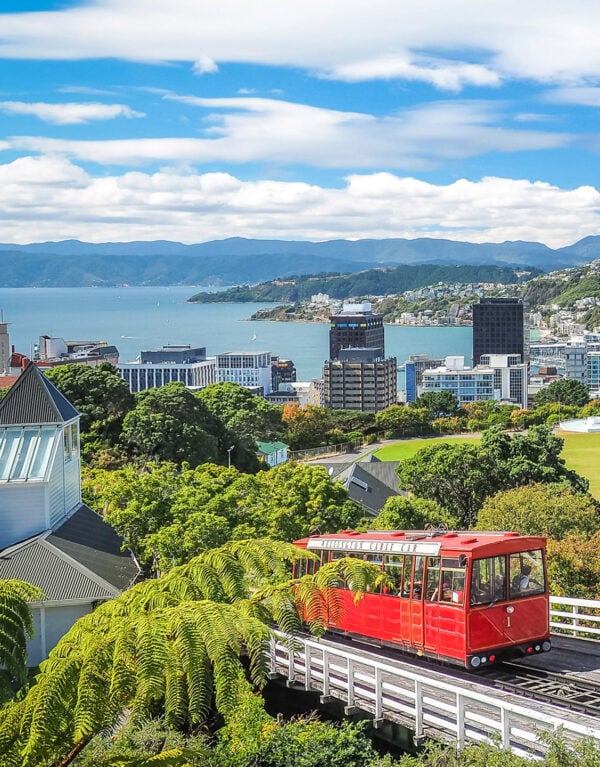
565 691
558 689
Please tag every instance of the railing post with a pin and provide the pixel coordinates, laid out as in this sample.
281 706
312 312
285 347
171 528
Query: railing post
378 695
418 708
505 725
291 674
350 673
575 620
307 667
460 721
325 673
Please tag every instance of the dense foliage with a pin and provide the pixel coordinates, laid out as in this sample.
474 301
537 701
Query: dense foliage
168 514
172 645
461 476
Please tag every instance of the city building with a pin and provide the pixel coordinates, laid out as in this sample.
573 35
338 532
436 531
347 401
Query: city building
51 351
413 373
282 372
48 537
576 360
4 349
593 374
500 327
360 379
186 364
356 326
510 377
502 378
249 369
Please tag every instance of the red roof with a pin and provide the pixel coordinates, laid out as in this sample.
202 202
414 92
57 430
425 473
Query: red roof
7 381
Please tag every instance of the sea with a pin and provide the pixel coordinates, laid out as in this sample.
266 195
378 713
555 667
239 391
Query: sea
142 318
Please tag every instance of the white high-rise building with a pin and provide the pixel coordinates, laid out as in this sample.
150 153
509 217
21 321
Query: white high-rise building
249 369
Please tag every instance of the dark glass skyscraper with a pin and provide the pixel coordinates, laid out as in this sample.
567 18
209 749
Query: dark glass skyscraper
356 327
499 327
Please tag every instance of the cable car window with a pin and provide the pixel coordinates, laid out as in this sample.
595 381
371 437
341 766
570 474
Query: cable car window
393 569
453 586
406 577
527 574
488 580
432 589
374 559
417 582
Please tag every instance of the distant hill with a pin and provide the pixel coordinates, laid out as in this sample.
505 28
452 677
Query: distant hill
381 281
236 260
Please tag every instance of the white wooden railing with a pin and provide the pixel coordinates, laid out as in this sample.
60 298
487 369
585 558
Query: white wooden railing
579 618
424 702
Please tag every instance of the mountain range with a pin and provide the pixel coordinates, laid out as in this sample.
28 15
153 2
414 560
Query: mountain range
236 260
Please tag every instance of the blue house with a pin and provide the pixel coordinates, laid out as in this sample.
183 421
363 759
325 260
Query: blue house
48 537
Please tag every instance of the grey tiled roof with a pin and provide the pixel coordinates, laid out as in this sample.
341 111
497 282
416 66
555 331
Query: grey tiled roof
92 542
384 471
38 563
34 400
81 559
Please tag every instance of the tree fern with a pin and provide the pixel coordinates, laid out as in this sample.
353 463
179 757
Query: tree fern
169 643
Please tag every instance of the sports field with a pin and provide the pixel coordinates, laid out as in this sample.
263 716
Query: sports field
581 453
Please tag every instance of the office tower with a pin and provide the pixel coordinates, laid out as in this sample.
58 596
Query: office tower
414 368
500 327
361 379
355 327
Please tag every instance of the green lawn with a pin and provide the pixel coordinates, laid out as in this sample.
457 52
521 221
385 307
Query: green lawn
581 452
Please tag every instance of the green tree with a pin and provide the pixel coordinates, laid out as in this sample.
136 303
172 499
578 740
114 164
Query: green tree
171 645
102 398
308 426
402 421
525 458
168 514
171 424
401 513
553 510
455 476
245 414
16 625
440 404
567 391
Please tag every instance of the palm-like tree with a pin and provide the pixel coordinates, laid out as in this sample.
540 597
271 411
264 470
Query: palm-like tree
173 644
16 625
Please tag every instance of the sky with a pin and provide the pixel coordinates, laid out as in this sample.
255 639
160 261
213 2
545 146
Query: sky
195 120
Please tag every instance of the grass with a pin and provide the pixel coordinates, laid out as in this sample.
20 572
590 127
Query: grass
581 453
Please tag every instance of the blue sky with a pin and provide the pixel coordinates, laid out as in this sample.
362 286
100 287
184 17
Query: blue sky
195 120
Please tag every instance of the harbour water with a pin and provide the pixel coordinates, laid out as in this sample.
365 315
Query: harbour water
146 318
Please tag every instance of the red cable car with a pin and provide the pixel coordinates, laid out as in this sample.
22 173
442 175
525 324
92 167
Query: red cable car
469 598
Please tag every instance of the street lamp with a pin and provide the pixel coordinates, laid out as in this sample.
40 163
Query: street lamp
229 449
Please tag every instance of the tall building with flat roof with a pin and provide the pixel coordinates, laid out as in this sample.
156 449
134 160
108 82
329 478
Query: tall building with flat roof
356 326
500 327
249 369
361 379
414 368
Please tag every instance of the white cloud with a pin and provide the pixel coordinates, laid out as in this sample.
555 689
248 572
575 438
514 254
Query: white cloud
448 44
248 129
584 96
51 198
74 113
441 74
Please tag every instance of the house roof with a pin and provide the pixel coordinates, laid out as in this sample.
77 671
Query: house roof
270 447
34 400
368 483
80 560
7 381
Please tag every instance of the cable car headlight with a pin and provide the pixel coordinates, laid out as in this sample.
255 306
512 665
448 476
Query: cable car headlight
510 609
475 661
546 646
